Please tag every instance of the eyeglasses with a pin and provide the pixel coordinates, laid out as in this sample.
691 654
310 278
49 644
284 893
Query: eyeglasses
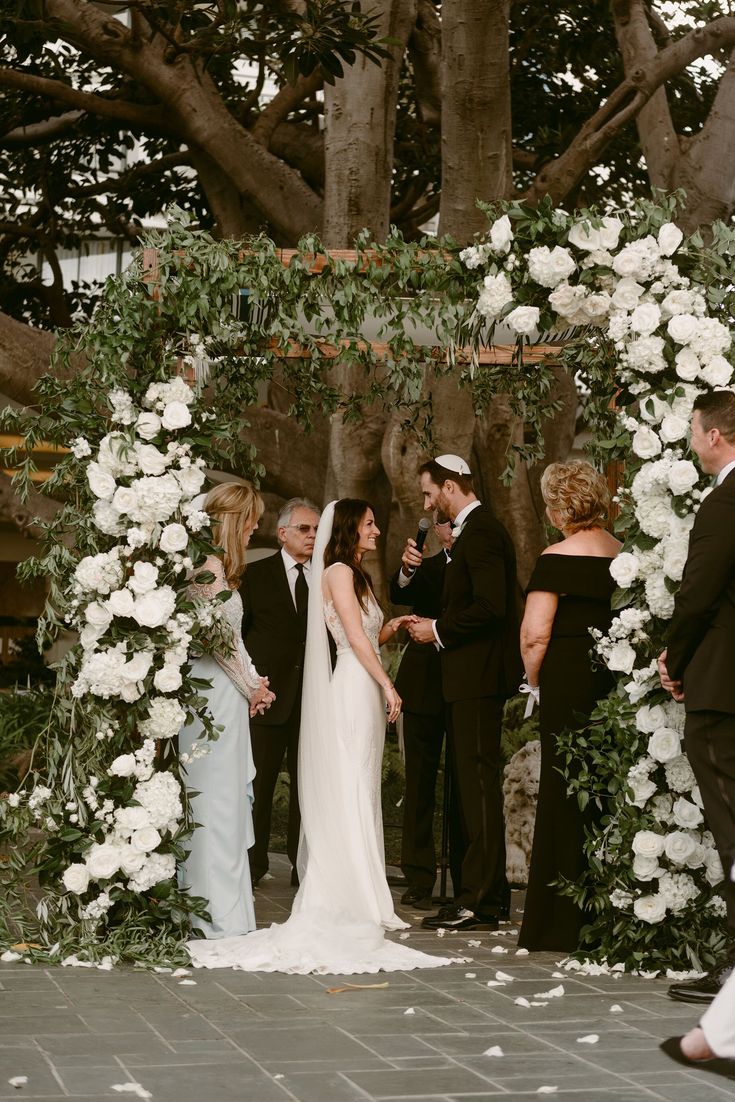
303 528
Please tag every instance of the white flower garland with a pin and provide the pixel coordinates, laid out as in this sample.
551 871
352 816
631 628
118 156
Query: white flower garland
625 282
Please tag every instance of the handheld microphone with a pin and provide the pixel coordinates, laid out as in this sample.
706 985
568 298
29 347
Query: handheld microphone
424 526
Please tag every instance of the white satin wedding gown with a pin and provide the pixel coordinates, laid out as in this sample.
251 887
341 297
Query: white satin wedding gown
344 906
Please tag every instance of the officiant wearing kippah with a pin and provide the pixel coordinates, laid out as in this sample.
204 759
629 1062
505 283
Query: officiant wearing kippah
476 633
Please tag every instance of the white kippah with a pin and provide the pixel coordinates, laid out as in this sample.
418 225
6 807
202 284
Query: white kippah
453 463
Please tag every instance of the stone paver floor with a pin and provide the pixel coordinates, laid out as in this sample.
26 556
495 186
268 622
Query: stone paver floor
88 1034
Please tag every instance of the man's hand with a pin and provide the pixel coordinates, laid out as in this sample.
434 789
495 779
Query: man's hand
411 558
422 630
673 687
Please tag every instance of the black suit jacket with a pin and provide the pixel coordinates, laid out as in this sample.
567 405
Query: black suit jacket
419 676
478 625
701 636
273 636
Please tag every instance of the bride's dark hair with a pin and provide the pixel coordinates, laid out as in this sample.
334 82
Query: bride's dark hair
342 546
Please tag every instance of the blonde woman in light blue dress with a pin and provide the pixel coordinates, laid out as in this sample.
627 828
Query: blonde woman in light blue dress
219 774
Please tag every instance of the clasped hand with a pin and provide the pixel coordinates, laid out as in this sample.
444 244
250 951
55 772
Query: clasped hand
262 698
673 687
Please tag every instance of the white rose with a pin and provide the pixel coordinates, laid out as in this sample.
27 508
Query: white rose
121 602
107 518
713 867
125 499
597 305
683 477
626 294
650 908
669 238
680 847
145 840
645 443
150 459
621 657
167 679
501 234
686 814
664 744
148 425
98 615
131 860
144 578
675 557
103 861
176 415
123 766
101 482
717 371
128 819
642 789
645 868
155 608
76 878
647 843
678 302
624 569
649 718
191 480
683 328
645 318
174 537
137 667
549 267
523 319
673 428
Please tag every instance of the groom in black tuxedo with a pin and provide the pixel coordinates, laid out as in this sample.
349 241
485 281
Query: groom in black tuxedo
275 593
698 663
476 633
418 683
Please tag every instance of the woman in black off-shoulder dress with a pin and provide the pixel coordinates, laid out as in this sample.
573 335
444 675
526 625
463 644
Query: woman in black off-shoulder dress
569 593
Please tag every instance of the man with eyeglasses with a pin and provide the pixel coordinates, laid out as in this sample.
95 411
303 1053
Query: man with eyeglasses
275 593
418 683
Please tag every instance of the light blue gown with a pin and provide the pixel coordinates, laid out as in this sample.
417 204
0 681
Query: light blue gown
220 787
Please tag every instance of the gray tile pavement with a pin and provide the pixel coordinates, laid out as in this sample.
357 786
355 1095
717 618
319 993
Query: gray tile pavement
88 1035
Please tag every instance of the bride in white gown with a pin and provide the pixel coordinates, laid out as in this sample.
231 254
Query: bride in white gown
343 906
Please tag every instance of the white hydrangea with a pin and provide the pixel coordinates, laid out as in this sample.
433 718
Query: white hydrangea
646 354
495 295
80 447
550 267
123 409
159 395
99 573
165 719
160 795
157 867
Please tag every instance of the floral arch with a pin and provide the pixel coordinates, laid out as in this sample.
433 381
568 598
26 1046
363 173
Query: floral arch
149 394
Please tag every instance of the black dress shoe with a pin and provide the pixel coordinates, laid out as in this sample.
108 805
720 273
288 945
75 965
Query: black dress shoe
459 918
704 989
419 898
294 878
717 1065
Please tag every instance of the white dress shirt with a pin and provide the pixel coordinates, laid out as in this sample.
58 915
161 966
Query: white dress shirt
724 473
292 573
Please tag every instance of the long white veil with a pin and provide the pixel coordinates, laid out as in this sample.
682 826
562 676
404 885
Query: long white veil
319 766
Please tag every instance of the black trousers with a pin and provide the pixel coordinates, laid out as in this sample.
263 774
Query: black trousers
474 732
423 738
270 744
709 740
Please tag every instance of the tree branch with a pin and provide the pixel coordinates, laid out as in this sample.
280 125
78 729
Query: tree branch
285 100
638 49
38 133
150 118
563 174
128 180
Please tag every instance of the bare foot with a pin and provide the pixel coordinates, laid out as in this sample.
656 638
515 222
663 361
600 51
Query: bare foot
694 1046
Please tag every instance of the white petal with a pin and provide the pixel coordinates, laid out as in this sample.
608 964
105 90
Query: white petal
494 983
470 975
547 1090
522 1002
589 1039
615 1009
521 952
496 1050
409 1011
503 976
498 949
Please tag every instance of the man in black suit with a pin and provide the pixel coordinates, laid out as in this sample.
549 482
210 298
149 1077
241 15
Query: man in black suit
275 594
418 683
477 636
697 665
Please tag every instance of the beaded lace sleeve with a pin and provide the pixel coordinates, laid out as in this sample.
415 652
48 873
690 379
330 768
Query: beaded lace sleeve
238 665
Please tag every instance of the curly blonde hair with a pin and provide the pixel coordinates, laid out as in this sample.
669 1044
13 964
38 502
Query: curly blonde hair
233 506
578 493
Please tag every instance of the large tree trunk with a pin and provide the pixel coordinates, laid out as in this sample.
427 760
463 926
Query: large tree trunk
476 112
360 123
24 357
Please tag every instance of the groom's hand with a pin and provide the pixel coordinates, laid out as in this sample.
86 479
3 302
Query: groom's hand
422 630
673 687
411 558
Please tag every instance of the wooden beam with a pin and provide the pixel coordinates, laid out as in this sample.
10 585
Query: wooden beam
499 354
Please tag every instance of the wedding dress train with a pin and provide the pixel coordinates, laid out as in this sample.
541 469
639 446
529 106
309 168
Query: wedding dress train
343 906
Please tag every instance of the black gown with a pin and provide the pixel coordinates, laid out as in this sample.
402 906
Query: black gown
570 688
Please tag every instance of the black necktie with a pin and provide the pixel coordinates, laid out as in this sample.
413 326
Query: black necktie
301 591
